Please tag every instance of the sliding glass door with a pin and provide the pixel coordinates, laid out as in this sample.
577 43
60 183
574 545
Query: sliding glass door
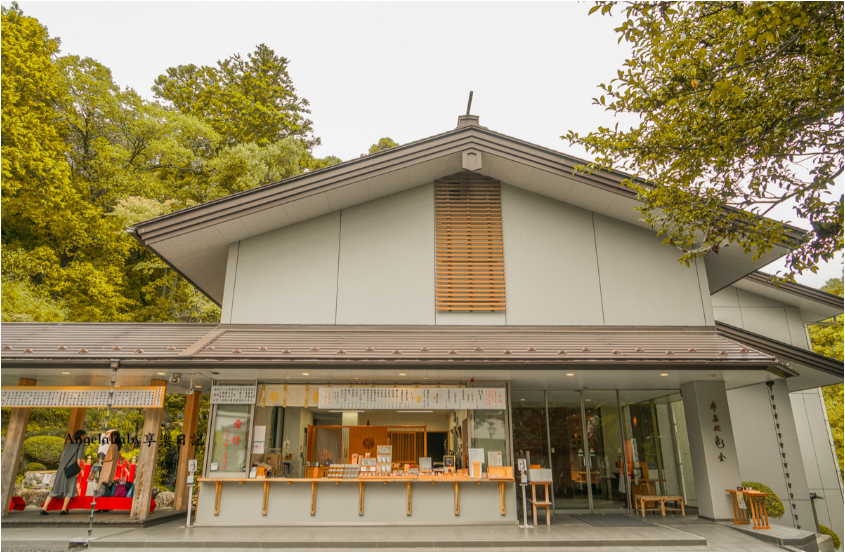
569 462
604 447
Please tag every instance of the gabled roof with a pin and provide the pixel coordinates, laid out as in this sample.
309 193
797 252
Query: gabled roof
815 370
195 240
815 305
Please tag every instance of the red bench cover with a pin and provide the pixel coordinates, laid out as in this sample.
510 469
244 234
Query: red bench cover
107 503
18 504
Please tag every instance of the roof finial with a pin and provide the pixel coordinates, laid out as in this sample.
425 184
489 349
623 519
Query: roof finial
469 104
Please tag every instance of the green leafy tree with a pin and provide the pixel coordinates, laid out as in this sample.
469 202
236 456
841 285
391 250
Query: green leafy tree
383 144
32 145
310 163
827 340
245 166
739 104
245 100
23 303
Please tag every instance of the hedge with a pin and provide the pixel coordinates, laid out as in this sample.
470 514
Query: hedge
46 450
836 541
774 507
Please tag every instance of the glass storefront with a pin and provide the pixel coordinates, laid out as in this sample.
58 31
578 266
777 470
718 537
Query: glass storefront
287 434
605 447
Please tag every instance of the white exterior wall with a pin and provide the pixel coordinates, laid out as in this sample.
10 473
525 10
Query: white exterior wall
386 271
288 276
760 453
374 264
819 454
760 315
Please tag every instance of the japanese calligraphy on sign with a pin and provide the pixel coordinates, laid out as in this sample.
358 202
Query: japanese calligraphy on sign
720 443
412 398
232 394
82 396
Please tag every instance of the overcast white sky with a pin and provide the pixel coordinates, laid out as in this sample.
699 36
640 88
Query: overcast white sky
400 69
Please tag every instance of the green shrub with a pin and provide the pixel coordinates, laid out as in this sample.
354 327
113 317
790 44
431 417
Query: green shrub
46 450
33 467
836 541
774 507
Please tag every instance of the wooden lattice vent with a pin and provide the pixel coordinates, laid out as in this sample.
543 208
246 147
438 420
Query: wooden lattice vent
468 244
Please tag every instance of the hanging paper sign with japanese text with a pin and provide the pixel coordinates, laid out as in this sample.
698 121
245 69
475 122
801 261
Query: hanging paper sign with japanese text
412 398
232 395
82 396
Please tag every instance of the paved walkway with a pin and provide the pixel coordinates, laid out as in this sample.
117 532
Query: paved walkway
565 534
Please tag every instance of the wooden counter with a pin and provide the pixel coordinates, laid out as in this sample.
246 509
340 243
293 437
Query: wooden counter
407 480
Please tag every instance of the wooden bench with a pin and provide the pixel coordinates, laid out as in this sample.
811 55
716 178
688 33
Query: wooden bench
641 500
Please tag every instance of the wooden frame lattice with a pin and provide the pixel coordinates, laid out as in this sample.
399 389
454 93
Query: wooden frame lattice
468 244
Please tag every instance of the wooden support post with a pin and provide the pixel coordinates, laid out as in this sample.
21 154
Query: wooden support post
217 499
186 452
502 497
77 420
408 508
146 465
313 498
457 500
266 493
15 435
360 499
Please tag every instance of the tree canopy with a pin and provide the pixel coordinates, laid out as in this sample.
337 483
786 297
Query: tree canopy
739 104
383 144
244 100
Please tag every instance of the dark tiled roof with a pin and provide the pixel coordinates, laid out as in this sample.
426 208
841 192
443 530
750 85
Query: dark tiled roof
356 344
99 340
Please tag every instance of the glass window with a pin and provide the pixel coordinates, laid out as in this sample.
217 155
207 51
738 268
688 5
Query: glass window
530 437
230 439
490 434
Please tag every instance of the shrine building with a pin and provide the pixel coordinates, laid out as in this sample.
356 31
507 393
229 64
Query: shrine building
398 331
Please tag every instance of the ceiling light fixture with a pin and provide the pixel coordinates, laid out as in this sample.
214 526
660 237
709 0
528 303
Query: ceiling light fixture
414 411
304 374
664 374
64 372
160 374
402 374
570 374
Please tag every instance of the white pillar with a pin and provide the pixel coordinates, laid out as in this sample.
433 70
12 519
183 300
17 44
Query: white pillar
711 439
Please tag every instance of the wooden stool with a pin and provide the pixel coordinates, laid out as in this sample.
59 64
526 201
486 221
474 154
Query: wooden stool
544 503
